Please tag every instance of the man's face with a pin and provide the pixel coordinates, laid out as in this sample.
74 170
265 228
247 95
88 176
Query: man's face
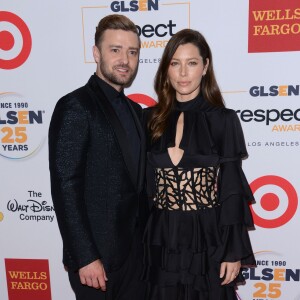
117 58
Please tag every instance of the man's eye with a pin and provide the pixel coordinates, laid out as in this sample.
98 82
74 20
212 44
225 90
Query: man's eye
133 53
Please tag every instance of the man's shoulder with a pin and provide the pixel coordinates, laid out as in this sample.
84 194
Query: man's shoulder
78 95
79 98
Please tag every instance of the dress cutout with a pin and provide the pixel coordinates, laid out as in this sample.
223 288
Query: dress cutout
185 189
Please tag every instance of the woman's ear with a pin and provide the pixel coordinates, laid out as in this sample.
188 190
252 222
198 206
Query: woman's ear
206 66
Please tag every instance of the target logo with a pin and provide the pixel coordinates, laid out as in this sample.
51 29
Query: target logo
142 99
15 41
277 201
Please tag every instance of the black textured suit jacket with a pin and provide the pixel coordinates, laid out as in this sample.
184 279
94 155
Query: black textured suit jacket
96 195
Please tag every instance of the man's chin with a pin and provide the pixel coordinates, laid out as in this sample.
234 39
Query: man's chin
124 81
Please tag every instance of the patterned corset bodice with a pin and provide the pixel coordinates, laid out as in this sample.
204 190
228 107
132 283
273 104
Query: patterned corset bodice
186 189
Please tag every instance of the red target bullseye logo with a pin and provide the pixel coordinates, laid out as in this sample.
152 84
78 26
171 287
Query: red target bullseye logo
7 41
270 202
142 99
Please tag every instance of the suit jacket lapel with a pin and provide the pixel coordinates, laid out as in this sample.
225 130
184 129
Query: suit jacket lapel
140 179
103 103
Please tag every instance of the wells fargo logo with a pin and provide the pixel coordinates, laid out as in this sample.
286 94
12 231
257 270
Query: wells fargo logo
274 26
28 279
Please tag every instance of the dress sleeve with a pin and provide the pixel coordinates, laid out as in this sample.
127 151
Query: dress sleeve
234 194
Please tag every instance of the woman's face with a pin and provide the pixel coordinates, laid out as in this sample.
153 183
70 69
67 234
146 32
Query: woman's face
185 72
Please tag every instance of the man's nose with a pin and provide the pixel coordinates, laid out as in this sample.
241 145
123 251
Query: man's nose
124 57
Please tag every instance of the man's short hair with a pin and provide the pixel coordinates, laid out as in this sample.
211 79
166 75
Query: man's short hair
115 22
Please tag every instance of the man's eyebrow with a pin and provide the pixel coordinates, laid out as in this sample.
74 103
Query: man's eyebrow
134 48
115 46
120 47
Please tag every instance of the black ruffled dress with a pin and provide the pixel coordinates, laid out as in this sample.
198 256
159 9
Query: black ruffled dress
200 210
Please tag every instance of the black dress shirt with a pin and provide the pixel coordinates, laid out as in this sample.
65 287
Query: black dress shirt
121 107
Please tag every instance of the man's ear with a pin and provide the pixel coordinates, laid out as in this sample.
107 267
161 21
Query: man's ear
96 54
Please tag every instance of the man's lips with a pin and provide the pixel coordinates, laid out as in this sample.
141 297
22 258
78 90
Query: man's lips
122 69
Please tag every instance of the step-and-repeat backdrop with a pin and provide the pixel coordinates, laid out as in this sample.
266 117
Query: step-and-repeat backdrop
46 51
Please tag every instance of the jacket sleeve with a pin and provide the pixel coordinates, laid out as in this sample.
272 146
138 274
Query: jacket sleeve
68 147
234 194
150 172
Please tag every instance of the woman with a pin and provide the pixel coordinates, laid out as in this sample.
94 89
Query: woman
196 239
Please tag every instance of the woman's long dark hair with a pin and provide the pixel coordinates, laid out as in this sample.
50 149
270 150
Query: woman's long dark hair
164 90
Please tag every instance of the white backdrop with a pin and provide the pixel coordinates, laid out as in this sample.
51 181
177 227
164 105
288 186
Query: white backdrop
45 52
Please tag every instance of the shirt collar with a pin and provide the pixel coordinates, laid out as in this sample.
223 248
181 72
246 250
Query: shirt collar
110 92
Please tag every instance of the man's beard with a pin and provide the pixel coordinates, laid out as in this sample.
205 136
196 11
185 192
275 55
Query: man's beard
115 79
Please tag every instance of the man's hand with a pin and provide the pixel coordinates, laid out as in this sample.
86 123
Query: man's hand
93 275
231 270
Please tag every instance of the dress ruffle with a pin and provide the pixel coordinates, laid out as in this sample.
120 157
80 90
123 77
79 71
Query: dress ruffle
188 247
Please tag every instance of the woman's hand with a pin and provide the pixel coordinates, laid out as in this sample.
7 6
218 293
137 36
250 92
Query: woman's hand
230 270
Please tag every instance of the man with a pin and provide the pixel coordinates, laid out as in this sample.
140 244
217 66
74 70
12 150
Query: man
96 155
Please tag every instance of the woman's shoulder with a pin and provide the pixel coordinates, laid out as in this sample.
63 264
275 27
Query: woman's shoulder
229 112
225 113
223 121
231 117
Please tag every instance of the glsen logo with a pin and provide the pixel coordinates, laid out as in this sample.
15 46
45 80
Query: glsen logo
28 279
9 46
142 99
133 6
275 90
277 201
274 26
272 115
19 126
270 276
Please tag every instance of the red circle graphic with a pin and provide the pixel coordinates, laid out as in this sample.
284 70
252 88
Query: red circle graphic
142 99
291 193
7 40
17 61
269 201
